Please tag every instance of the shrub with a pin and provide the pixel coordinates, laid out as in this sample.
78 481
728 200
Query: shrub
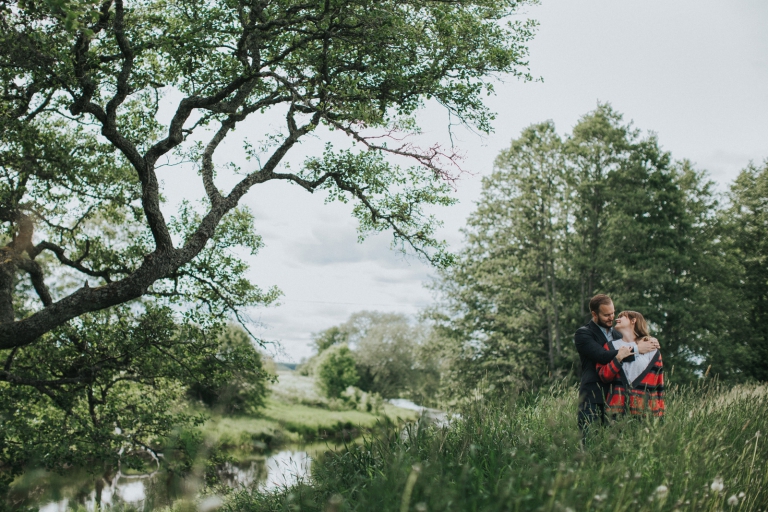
234 381
336 371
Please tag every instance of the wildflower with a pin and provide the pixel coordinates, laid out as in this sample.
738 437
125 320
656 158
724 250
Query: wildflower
733 500
717 485
661 491
600 497
741 494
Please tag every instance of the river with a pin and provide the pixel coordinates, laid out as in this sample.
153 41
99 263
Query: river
77 490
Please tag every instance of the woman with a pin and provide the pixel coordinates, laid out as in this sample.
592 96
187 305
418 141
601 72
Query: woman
636 380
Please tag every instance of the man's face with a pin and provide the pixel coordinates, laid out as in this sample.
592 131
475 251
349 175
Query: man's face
604 316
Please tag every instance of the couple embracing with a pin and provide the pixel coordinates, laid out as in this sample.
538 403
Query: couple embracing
621 370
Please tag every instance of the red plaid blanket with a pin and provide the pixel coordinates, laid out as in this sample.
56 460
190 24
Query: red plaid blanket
643 396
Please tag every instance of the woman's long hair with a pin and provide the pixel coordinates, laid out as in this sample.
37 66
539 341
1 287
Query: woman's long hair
641 326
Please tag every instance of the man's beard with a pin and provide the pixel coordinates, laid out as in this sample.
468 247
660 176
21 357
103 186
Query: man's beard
601 324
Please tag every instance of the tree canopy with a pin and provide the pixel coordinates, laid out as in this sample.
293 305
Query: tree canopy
82 136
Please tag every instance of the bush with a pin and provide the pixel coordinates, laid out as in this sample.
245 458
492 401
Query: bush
234 381
336 371
358 399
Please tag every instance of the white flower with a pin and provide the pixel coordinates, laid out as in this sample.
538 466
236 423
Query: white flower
717 485
733 500
600 497
662 490
741 494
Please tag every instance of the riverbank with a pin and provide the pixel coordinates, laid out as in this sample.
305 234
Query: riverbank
280 424
264 451
295 413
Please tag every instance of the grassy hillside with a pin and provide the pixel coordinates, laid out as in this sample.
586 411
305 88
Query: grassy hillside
709 454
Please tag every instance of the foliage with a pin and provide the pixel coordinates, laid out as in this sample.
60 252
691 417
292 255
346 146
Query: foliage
384 351
336 371
525 455
335 335
103 389
232 380
744 229
100 392
95 99
391 353
362 400
604 210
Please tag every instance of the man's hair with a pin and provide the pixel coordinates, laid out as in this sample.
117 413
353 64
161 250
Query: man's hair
597 301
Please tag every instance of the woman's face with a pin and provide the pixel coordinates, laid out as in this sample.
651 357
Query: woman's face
624 323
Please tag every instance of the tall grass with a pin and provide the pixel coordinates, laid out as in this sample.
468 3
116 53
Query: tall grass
707 454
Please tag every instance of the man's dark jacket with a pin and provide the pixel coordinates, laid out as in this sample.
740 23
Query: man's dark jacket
590 342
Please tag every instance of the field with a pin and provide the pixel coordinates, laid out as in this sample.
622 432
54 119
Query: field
296 413
709 454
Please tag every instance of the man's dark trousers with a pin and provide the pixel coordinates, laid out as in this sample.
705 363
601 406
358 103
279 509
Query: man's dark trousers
590 342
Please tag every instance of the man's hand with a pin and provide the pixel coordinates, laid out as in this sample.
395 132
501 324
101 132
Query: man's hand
649 345
624 351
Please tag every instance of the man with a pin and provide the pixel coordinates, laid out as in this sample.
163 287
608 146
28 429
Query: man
589 341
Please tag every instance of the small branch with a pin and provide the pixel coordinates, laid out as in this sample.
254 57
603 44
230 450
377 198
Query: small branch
9 359
76 264
431 158
228 302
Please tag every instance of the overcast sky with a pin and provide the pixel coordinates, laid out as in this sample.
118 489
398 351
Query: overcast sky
693 71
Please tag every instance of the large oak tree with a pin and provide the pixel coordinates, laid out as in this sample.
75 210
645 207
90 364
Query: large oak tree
82 139
110 307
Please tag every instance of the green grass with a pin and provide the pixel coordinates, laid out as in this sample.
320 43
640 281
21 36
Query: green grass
296 413
526 455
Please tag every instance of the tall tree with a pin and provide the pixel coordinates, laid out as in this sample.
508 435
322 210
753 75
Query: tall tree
504 298
600 144
745 233
645 234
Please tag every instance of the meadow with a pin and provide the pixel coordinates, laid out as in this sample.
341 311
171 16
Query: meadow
296 413
708 454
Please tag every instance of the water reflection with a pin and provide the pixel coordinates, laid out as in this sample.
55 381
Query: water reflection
285 469
56 493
